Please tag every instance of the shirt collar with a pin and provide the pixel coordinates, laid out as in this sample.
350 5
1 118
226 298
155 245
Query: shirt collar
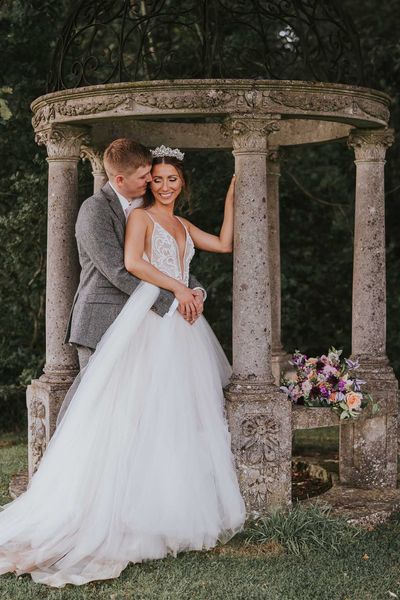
125 203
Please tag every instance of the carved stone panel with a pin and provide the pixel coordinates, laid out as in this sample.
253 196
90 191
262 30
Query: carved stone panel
261 432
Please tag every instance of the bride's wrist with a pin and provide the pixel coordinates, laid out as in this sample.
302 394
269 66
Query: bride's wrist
178 287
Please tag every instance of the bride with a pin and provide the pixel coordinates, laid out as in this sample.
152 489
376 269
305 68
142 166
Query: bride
140 464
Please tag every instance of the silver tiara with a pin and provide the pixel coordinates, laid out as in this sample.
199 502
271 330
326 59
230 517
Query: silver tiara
162 151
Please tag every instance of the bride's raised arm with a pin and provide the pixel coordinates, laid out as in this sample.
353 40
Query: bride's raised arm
216 243
138 228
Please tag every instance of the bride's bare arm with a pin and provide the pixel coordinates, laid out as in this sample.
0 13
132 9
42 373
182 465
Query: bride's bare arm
137 227
217 243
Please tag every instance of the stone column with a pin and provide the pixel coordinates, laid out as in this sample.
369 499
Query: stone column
368 448
45 395
259 414
279 357
96 160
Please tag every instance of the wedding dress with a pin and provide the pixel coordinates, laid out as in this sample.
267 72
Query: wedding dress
140 465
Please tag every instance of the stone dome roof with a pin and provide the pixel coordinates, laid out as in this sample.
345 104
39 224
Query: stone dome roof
108 41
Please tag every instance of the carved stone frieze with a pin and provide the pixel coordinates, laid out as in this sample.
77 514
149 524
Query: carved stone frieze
76 108
62 141
371 108
196 99
248 99
307 101
371 144
241 97
249 133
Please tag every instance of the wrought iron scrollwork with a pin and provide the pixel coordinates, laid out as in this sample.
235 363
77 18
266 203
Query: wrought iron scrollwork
106 41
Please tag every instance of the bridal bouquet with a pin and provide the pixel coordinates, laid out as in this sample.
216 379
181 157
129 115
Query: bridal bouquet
327 381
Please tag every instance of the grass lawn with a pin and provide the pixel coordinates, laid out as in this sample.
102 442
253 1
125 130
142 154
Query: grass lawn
367 568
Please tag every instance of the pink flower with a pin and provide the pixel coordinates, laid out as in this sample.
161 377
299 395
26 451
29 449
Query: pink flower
353 400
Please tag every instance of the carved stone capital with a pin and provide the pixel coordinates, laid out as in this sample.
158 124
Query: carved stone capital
248 133
63 142
370 145
95 155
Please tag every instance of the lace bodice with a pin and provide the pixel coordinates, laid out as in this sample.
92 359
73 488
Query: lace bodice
165 252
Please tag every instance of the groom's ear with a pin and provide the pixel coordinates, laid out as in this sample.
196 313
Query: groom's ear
119 179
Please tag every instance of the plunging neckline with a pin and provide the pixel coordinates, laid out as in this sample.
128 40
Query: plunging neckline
181 262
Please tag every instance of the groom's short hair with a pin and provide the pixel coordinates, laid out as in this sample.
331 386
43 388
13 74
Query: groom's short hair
125 156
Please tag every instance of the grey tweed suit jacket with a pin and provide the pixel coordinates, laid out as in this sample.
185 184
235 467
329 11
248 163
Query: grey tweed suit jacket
105 285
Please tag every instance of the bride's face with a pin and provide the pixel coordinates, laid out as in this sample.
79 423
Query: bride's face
166 183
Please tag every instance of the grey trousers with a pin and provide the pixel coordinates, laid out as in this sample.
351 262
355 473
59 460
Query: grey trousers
84 353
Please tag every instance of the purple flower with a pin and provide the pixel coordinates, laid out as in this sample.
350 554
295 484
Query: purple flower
324 391
357 384
352 364
341 385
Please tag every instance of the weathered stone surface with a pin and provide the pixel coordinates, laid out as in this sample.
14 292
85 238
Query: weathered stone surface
251 283
347 104
45 395
260 426
368 448
279 358
366 508
305 417
369 272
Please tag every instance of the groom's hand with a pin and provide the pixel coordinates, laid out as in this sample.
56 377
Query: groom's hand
199 301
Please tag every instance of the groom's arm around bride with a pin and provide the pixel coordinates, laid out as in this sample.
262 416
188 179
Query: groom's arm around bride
105 284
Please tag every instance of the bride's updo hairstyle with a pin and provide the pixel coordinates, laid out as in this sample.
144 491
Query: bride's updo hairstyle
148 200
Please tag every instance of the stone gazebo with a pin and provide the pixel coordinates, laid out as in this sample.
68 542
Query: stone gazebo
255 118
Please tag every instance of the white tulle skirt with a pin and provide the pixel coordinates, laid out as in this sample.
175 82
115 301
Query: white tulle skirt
140 465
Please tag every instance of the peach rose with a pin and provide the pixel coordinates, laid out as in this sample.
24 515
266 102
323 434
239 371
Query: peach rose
353 400
333 397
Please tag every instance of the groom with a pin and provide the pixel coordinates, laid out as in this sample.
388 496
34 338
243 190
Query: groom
105 285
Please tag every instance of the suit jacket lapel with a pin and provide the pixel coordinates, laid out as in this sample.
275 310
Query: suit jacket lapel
115 204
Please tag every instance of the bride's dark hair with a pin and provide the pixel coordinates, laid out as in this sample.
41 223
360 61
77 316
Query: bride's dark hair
148 199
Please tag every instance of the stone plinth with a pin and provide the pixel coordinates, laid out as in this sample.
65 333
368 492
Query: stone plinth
261 429
43 398
368 447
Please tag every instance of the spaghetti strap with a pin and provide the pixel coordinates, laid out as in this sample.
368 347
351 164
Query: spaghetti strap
182 223
152 218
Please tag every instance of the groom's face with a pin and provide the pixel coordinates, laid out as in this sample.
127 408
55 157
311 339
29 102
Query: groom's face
134 185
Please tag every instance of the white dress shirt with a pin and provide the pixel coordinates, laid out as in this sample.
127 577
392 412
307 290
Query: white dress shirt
127 207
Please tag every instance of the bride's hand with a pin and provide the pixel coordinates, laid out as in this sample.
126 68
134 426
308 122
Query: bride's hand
187 303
